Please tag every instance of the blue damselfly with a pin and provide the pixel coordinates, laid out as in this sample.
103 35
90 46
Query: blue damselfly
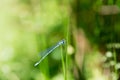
49 50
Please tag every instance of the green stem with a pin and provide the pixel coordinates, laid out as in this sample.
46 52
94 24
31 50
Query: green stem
63 62
67 38
66 63
115 60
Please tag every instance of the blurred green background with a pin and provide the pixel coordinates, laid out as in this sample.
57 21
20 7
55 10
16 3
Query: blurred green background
91 29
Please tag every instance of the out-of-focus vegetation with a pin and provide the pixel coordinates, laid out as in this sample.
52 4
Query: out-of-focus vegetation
91 29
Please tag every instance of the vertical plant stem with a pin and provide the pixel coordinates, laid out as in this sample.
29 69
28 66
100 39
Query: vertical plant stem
67 43
67 40
66 57
66 62
66 33
63 62
115 60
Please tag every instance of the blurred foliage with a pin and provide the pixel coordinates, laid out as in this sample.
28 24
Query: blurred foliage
23 27
27 27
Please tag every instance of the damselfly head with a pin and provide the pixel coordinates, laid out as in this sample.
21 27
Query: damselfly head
62 41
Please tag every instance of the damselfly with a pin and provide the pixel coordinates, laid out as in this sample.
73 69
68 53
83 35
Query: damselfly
49 50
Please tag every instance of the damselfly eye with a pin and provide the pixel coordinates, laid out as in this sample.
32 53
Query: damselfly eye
62 42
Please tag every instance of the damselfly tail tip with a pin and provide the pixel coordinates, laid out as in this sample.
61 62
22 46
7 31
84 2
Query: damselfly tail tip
36 64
